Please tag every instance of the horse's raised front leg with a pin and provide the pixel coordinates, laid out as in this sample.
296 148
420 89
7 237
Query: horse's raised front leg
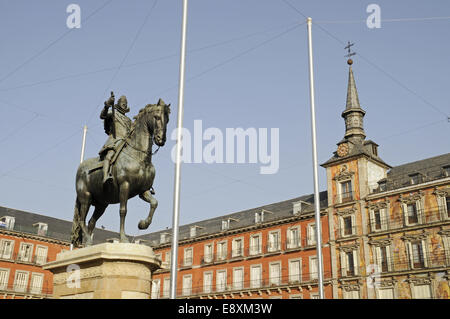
98 212
124 191
147 196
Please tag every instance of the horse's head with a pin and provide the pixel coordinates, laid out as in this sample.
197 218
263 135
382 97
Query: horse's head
157 122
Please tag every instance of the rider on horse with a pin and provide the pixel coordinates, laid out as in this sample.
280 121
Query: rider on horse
117 126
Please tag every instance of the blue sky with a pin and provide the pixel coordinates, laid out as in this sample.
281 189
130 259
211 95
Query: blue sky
243 69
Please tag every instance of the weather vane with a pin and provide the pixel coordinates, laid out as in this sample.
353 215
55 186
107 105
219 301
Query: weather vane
350 53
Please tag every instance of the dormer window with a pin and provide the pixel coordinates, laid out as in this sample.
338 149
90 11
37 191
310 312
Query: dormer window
259 217
414 179
299 207
163 238
225 224
7 222
382 186
41 229
374 150
113 240
446 170
193 231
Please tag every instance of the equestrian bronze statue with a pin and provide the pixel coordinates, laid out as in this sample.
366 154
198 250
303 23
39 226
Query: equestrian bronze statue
123 169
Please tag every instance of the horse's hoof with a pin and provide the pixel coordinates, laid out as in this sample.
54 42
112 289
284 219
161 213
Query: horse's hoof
143 225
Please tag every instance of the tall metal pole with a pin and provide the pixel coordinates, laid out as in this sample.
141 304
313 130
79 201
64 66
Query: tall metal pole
83 144
314 155
176 193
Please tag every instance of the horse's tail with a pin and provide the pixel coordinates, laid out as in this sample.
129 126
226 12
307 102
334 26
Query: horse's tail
77 232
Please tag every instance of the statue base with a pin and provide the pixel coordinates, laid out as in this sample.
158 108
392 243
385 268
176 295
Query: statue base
104 271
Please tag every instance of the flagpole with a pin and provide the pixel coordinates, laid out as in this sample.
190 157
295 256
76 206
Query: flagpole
176 195
83 144
314 155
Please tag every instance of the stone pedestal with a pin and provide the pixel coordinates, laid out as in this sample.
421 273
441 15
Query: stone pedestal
104 271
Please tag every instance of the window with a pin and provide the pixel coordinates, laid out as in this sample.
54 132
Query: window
293 237
347 225
237 247
238 278
193 231
225 224
156 284
352 294
164 238
295 270
255 244
41 255
383 258
187 285
255 276
208 253
21 281
346 191
313 268
221 280
36 283
275 274
414 179
7 222
311 234
418 260
383 186
447 204
222 250
259 217
41 229
168 257
446 170
422 292
349 262
274 241
385 293
207 282
412 213
25 252
314 296
377 219
188 253
6 248
4 277
166 288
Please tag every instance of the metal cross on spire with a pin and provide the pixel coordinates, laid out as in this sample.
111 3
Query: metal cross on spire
349 49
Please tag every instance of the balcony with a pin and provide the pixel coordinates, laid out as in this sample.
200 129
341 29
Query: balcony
253 286
345 197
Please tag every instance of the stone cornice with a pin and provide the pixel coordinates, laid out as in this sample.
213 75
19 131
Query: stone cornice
381 242
412 198
34 237
346 212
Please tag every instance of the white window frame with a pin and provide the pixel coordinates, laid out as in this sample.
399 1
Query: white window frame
255 282
21 288
252 250
259 217
208 288
352 294
222 254
341 193
419 211
167 256
219 287
41 259
413 290
193 231
208 256
275 280
311 234
274 246
9 221
293 242
313 263
379 290
342 224
235 252
156 289
296 296
20 256
187 289
4 284
344 262
238 283
378 259
411 255
441 198
36 289
166 287
295 278
2 248
225 224
383 219
186 260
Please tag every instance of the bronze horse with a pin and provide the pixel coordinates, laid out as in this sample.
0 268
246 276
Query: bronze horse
133 173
